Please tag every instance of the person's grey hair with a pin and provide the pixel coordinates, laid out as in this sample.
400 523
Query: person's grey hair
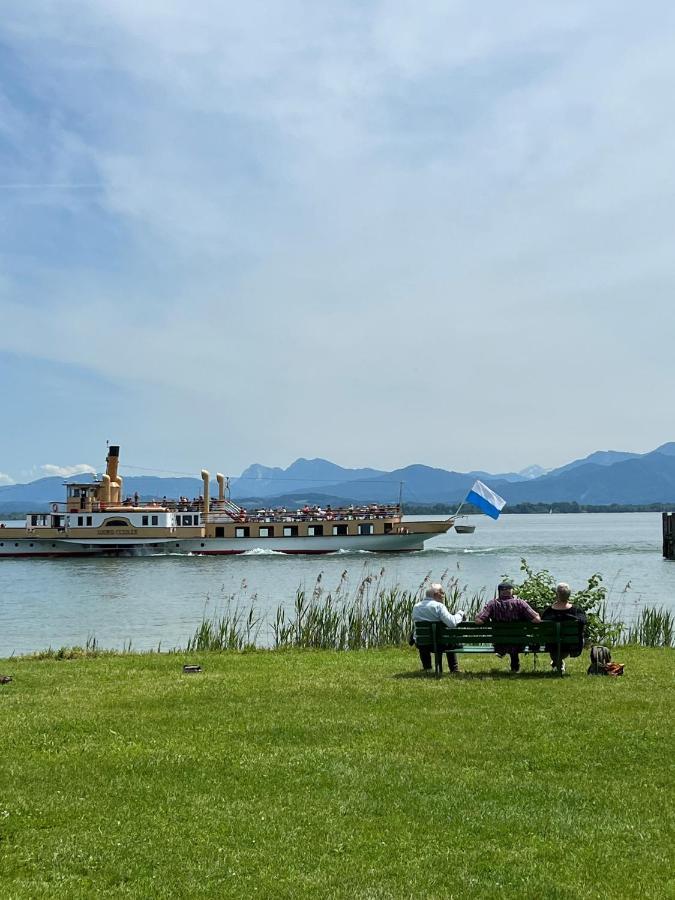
434 589
563 590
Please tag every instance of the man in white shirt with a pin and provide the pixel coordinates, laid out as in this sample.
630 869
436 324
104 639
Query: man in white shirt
432 608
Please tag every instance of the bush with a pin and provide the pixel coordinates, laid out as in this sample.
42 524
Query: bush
538 589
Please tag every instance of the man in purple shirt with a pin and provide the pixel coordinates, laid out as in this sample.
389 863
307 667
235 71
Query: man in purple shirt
507 608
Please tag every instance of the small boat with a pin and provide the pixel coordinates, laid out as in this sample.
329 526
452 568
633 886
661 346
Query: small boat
97 519
465 529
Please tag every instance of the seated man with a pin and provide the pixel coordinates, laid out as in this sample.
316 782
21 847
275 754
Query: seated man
432 608
562 610
507 608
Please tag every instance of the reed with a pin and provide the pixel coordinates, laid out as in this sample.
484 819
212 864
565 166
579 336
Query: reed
373 614
654 627
233 629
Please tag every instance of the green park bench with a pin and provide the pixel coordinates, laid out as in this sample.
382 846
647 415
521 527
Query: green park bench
470 637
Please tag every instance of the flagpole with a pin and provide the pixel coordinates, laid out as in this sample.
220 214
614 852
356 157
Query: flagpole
454 515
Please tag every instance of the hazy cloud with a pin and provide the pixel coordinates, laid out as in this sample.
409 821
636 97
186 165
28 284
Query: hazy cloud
66 471
6 479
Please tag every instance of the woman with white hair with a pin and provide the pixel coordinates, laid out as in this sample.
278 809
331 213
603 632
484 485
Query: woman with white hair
562 610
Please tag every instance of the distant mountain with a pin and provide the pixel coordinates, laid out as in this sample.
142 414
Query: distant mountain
644 479
666 449
502 476
532 472
604 477
302 475
599 458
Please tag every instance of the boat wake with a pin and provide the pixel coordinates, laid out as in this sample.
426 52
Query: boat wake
482 550
262 551
458 551
351 553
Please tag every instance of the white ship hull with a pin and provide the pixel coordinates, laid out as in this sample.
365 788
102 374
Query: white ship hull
388 543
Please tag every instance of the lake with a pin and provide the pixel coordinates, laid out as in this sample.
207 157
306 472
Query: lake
154 601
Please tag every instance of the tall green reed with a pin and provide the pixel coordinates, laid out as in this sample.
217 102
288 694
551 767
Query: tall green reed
654 627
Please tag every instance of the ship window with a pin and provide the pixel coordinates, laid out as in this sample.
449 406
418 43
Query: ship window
241 532
315 530
220 531
89 520
339 529
80 520
116 523
144 520
365 529
187 520
290 530
155 520
33 520
266 531
388 527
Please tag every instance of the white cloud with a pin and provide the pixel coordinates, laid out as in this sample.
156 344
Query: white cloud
6 479
326 211
66 471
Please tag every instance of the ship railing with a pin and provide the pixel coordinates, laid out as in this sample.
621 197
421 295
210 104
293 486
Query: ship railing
350 513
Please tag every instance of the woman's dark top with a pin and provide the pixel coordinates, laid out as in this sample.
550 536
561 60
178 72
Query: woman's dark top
565 615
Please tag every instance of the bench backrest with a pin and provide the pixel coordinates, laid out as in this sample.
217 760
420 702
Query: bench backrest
438 635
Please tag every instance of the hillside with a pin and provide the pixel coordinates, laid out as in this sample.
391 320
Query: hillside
602 478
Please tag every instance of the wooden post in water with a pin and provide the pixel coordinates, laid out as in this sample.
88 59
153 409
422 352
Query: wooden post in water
669 535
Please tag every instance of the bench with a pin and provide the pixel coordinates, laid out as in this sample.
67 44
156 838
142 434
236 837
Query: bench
470 637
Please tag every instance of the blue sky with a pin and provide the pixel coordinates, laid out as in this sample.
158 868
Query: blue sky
375 232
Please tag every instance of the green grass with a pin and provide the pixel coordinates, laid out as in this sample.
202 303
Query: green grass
326 774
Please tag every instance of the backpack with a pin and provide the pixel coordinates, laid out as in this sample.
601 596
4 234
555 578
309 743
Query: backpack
600 659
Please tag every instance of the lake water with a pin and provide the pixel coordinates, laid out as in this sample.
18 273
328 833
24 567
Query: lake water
160 600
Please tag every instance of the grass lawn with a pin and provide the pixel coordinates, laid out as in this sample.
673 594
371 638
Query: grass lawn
326 774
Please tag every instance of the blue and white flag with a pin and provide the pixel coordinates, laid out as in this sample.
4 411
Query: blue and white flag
482 497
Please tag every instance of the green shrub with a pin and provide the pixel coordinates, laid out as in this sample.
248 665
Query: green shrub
538 589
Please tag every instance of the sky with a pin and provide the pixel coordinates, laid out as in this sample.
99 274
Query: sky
381 233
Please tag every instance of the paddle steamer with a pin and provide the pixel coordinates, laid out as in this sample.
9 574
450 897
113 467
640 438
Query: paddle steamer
96 519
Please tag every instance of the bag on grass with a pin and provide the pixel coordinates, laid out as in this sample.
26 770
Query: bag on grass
600 659
614 668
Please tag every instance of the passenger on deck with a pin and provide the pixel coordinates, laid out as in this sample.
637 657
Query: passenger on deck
433 609
507 608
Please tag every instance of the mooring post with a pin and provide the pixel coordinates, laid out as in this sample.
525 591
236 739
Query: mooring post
669 535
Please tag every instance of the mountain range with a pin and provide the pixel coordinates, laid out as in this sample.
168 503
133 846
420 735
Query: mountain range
602 478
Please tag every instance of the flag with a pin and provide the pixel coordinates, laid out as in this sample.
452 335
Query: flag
482 497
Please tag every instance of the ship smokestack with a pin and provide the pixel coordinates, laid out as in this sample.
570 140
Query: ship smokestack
206 479
221 486
105 489
112 462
